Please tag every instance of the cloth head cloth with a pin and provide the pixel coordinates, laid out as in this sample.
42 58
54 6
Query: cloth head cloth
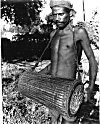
61 3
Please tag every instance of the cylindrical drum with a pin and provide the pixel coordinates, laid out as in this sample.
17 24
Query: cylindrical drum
63 95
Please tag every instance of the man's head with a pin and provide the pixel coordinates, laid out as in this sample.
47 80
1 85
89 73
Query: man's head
61 12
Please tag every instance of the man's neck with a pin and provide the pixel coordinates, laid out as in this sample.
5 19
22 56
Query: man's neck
68 27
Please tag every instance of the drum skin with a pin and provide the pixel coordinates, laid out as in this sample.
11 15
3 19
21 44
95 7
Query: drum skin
63 95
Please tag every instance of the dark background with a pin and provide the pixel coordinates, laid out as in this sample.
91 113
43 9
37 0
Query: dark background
27 47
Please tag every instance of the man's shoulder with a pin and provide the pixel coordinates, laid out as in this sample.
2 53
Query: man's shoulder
81 34
80 30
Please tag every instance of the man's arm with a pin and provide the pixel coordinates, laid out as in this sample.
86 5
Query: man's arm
83 36
46 70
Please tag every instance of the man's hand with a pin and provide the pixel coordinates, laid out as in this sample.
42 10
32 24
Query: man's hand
89 93
55 117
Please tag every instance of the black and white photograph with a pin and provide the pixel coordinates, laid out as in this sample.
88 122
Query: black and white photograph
50 62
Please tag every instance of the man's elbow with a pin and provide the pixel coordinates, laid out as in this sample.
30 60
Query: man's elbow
93 63
96 65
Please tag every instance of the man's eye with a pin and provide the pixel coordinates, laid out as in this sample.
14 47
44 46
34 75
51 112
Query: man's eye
61 14
54 15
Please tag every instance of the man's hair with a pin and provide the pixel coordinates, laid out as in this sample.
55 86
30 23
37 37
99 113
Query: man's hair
67 10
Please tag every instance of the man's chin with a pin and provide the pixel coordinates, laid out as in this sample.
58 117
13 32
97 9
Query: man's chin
61 26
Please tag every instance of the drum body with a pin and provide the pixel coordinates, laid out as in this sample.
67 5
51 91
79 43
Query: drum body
63 95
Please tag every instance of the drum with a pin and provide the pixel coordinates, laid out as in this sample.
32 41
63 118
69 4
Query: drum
63 95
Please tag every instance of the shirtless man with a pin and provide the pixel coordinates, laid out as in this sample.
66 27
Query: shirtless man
63 57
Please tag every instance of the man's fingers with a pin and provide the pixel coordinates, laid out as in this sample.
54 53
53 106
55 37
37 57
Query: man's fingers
54 116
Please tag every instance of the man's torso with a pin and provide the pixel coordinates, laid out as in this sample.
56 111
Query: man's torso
63 55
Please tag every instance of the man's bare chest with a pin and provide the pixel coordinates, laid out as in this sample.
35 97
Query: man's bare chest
63 42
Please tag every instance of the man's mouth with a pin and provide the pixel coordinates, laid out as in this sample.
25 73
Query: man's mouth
59 23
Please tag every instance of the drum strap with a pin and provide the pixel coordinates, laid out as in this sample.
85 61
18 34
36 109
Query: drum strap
75 48
39 59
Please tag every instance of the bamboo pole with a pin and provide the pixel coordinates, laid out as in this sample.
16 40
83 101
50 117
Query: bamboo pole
83 11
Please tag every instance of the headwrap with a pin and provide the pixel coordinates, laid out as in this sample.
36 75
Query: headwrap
61 3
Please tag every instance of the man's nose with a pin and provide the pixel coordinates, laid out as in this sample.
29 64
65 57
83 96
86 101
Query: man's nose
57 18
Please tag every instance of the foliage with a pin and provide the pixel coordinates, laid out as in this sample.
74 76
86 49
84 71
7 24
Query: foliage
18 109
23 18
92 28
21 12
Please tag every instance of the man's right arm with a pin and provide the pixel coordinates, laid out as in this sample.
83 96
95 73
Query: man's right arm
46 70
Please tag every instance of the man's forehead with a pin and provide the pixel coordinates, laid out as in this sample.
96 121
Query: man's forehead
58 9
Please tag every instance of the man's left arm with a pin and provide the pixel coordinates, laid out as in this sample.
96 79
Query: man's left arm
83 36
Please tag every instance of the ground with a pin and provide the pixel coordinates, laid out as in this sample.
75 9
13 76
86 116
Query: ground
18 109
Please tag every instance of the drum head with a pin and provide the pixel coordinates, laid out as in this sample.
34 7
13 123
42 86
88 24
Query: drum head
76 100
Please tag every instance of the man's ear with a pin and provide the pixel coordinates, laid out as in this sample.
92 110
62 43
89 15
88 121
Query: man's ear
72 13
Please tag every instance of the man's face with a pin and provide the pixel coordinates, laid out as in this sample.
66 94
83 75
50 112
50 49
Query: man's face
60 16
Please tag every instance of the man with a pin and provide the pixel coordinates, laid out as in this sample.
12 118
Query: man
63 55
